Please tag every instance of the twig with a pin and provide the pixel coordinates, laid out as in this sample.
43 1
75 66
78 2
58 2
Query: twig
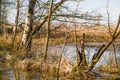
63 47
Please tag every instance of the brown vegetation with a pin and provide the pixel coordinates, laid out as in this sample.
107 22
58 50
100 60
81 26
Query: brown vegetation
26 62
48 67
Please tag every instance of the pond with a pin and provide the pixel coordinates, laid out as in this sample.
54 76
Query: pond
10 74
69 51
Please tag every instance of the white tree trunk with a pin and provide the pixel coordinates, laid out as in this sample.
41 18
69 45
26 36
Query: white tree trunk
28 24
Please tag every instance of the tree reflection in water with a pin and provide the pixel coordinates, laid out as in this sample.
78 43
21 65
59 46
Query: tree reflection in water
11 74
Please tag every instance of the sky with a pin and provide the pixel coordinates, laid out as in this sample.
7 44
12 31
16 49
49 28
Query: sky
100 6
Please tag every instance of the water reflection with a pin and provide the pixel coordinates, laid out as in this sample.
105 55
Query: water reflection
11 74
70 52
6 74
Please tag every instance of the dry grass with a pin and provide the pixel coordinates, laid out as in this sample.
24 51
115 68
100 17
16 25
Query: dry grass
23 62
110 71
92 34
48 67
109 68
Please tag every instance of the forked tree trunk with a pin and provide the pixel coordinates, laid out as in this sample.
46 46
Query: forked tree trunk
83 51
44 19
97 56
26 38
78 54
81 59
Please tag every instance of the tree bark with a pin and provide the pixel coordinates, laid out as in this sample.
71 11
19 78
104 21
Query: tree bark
48 29
16 21
83 51
41 22
26 38
62 52
78 54
0 11
97 56
44 19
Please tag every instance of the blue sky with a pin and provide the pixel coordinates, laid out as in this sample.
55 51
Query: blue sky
100 6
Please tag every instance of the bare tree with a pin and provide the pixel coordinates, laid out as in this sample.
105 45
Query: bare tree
16 21
62 52
48 29
0 10
28 32
110 31
4 17
100 52
28 25
45 17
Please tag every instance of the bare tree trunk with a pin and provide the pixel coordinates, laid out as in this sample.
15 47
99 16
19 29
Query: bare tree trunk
48 29
44 19
26 38
0 12
83 51
16 21
100 53
79 56
59 64
4 20
97 56
114 49
41 22
39 25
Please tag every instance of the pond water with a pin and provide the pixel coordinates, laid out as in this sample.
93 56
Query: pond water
11 74
69 51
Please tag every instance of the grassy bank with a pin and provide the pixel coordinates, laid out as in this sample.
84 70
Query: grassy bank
33 61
